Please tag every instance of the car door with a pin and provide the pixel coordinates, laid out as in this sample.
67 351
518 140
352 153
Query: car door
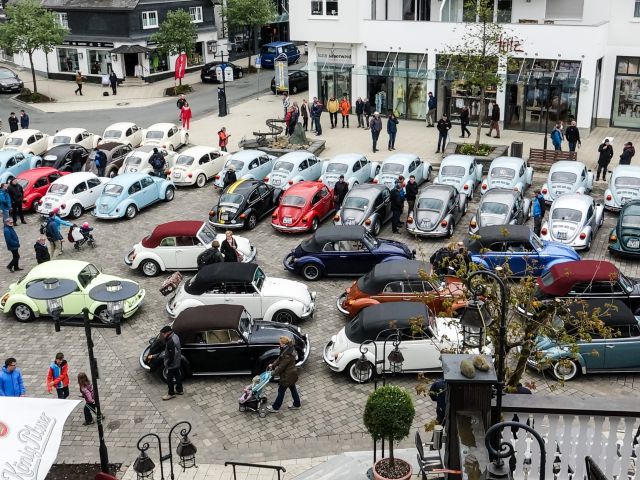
149 192
385 205
187 250
95 190
135 135
166 250
205 164
315 168
418 350
81 193
118 154
245 294
622 350
302 171
354 258
266 199
217 351
325 204
172 138
135 194
255 202
523 258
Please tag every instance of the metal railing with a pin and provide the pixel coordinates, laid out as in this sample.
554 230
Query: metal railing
278 468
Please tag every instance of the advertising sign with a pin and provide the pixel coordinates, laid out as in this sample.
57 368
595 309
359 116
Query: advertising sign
282 75
181 66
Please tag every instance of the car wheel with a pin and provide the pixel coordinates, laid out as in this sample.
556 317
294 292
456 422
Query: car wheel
314 224
150 268
112 173
103 315
356 376
163 373
186 139
252 221
376 227
565 370
76 211
38 163
311 272
465 209
294 89
34 205
428 176
201 180
284 316
169 194
130 212
23 313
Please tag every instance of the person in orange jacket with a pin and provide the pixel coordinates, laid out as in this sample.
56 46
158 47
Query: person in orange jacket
223 139
345 110
58 376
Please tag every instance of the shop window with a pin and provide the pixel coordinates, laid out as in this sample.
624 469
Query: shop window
61 19
503 11
316 7
99 62
564 9
636 10
68 59
626 94
158 62
150 19
332 7
196 14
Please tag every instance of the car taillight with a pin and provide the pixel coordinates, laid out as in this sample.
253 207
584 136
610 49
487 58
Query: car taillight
274 215
211 213
305 219
367 221
613 237
164 146
189 175
484 186
545 191
39 202
583 236
290 182
5 297
265 179
466 187
63 206
516 189
375 180
243 216
609 197
443 223
336 218
167 172
473 224
217 177
544 231
409 220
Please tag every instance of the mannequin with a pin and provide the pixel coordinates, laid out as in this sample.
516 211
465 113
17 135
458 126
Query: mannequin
399 99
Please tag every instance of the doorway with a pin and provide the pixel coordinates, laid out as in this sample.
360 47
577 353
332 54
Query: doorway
130 62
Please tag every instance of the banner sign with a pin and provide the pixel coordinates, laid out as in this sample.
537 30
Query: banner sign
30 434
181 66
282 75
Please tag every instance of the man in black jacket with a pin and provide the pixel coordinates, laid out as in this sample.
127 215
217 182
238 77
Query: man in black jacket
572 134
210 255
495 120
360 112
76 160
627 154
443 126
16 193
411 192
397 203
606 154
172 358
340 190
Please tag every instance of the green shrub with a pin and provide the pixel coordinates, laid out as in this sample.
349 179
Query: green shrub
470 149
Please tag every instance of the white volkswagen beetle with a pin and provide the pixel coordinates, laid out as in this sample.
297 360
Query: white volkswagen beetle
28 141
78 136
624 186
574 220
405 164
294 167
461 172
138 160
567 176
166 135
355 167
508 172
123 132
72 194
197 165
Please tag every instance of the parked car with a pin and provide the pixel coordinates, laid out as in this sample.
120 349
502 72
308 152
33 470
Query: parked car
508 172
123 132
115 153
77 136
303 207
242 204
226 340
574 220
137 160
247 164
245 284
421 348
620 352
13 163
85 274
516 249
176 246
298 82
125 195
294 167
72 194
624 239
437 211
403 281
405 164
624 186
500 206
35 183
9 81
567 176
3 138
196 166
343 251
166 135
269 52
208 71
27 140
460 171
368 205
355 167
59 157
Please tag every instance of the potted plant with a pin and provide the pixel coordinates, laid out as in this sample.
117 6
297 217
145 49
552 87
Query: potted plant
388 415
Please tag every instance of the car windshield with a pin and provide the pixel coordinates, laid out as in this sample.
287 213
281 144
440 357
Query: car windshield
547 278
13 141
566 214
232 198
393 168
284 166
536 242
433 204
452 171
207 234
357 203
23 183
494 208
245 324
564 177
154 135
184 160
6 74
113 190
626 283
630 218
236 164
627 182
133 160
268 50
502 172
293 201
58 189
61 139
337 168
88 273
112 134
258 279
369 240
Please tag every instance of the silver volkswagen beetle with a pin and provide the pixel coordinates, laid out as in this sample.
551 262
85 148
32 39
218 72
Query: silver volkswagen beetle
574 220
437 211
368 205
501 206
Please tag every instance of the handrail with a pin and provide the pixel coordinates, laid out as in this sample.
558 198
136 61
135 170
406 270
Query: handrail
278 468
559 405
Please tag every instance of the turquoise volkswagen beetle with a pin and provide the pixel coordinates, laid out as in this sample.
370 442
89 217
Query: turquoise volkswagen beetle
624 238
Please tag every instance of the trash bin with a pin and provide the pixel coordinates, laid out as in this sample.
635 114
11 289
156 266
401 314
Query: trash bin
516 149
222 103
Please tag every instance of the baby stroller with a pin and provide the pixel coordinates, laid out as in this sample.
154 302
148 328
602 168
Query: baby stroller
81 235
252 398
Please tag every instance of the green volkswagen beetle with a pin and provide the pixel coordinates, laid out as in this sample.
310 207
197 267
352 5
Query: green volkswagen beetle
624 239
85 274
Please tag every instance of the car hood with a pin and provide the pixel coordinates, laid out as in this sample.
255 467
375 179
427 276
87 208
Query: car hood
392 247
280 287
341 343
353 216
270 332
555 249
488 219
427 219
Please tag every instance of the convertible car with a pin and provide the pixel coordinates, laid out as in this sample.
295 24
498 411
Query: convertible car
303 207
461 171
437 211
368 205
405 164
12 163
35 183
624 238
574 220
624 186
512 173
242 204
343 251
500 206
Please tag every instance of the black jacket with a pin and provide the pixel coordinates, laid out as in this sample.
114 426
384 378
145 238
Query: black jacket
627 155
495 113
606 154
42 253
76 158
172 356
209 257
229 251
397 201
340 189
411 190
443 126
229 178
16 193
180 103
572 134
464 117
359 107
13 123
366 108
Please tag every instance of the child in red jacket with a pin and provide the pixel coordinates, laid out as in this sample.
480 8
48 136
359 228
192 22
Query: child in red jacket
58 376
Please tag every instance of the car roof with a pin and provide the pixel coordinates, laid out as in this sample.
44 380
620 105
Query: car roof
346 158
383 273
569 200
401 158
24 133
442 192
384 316
198 150
367 190
335 233
207 317
162 126
506 161
108 146
223 272
120 125
303 188
500 195
7 153
296 157
277 44
126 179
567 166
36 172
626 170
614 311
457 159
565 275
146 148
497 233
53 268
245 155
243 185
65 147
75 177
180 228
70 130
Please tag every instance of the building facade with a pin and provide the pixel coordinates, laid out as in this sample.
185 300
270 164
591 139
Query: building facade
571 59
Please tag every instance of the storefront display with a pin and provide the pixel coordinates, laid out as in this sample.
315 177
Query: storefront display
334 73
626 93
157 62
99 62
68 59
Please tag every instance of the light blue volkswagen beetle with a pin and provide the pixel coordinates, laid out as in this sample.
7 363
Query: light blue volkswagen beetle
247 164
128 193
13 162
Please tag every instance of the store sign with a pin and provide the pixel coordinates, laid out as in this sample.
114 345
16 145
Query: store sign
88 44
509 45
334 56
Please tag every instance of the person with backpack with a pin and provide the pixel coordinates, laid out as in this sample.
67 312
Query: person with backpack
438 393
229 177
52 231
538 211
100 159
210 255
5 201
157 162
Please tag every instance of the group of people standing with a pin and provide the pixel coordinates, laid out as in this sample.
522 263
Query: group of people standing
15 122
402 191
227 251
293 113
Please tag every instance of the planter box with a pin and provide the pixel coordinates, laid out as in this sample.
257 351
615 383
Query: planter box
316 147
498 151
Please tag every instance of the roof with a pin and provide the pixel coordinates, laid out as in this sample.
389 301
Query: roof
457 160
221 273
24 133
497 233
335 233
62 148
500 195
506 161
441 192
383 273
207 317
276 44
367 190
626 169
244 155
130 49
198 150
108 146
573 200
161 126
145 149
75 177
243 185
346 158
37 172
53 268
401 158
384 316
613 311
90 4
120 126
567 166
296 157
126 179
70 130
7 153
303 188
560 278
181 228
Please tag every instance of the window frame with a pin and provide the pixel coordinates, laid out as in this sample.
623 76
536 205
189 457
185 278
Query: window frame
196 14
62 19
636 9
145 17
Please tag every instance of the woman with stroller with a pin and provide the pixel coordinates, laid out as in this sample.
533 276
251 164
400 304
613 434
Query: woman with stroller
285 368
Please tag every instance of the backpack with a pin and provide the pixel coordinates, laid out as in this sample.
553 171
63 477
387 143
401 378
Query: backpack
43 226
209 256
49 227
156 162
228 177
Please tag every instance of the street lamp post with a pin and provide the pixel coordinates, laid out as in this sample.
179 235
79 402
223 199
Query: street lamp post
113 293
222 99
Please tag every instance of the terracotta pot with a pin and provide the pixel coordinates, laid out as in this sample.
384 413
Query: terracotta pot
377 476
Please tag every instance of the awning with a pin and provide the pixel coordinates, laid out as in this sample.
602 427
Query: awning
130 49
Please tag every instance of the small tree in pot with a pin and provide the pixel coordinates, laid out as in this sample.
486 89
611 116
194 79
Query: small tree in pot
388 415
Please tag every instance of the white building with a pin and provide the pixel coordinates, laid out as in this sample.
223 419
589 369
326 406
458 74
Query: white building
575 58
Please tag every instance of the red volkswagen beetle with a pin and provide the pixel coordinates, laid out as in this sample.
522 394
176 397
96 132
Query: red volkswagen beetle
302 207
35 183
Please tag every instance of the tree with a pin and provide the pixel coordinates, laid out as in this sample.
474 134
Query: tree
176 34
249 14
30 28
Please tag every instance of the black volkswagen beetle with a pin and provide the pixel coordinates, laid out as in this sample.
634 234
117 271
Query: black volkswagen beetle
115 153
500 206
59 157
368 204
225 340
242 204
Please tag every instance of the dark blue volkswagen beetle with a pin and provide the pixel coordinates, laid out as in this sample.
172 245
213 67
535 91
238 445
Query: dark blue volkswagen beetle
343 250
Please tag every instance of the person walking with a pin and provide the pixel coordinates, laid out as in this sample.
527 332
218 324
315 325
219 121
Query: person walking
366 108
538 211
86 390
185 116
397 203
172 362
438 393
627 154
285 369
13 122
556 137
100 159
376 128
79 79
360 112
16 194
210 255
180 103
340 190
286 103
345 110
11 382
411 193
13 245
58 376
606 154
76 160
464 121
52 231
432 107
24 119
332 107
229 248
5 201
157 162
443 126
316 112
113 81
392 130
495 121
42 252
223 139
304 111
572 134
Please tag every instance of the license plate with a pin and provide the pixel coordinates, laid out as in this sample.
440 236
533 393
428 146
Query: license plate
286 220
633 243
562 235
224 216
425 224
176 175
276 182
350 221
47 205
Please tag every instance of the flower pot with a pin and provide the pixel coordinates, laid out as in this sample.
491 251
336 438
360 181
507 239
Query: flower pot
384 461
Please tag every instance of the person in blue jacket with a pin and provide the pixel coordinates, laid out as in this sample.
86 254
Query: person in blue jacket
11 383
5 201
13 245
53 232
556 137
538 211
